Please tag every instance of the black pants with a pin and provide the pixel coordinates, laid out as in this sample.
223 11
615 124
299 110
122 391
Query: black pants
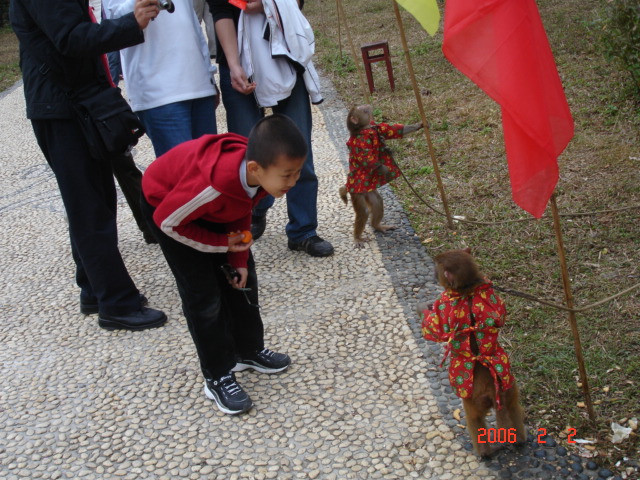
89 196
221 321
130 180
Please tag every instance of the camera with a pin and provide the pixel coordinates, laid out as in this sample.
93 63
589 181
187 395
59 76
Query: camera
166 5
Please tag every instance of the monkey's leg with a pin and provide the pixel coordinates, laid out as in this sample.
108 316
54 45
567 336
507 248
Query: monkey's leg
476 409
377 211
476 413
343 194
511 415
362 213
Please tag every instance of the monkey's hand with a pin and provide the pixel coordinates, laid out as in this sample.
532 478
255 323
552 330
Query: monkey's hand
411 128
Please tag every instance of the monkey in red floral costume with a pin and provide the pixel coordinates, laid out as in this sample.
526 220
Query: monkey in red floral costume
468 316
370 167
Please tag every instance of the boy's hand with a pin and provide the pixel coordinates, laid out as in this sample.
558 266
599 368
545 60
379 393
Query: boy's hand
236 244
242 282
237 277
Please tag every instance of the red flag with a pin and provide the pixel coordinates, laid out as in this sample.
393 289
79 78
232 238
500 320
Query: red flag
501 45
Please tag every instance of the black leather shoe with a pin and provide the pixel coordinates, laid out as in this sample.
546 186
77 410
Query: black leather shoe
314 246
89 306
140 320
258 224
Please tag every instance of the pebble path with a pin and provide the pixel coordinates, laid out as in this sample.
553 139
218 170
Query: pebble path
364 397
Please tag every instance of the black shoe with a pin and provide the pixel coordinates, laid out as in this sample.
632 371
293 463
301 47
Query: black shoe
314 246
265 361
258 224
140 320
228 395
89 306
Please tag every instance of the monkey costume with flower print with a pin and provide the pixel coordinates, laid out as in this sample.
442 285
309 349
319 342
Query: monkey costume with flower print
367 151
450 321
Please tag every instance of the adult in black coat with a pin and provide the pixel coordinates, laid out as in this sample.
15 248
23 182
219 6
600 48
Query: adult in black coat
60 49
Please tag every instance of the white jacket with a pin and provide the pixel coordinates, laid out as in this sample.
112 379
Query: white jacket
172 64
268 44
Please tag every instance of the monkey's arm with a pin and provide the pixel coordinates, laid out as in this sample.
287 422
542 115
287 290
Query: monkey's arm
411 128
391 131
433 323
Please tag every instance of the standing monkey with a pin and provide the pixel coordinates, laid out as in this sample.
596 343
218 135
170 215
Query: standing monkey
370 166
468 316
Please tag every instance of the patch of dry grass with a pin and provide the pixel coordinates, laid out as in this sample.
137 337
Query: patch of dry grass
598 170
9 67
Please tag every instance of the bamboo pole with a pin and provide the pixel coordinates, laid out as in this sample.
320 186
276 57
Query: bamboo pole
425 124
339 29
566 282
365 91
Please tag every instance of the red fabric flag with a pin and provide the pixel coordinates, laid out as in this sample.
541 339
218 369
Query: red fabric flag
501 46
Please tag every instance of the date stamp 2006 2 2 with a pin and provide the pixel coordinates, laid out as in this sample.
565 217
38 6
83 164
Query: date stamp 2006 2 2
504 435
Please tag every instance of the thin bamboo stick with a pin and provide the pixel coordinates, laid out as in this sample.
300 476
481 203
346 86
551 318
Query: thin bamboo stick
339 29
566 283
365 91
425 124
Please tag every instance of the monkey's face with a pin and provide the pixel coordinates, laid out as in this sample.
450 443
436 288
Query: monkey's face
278 178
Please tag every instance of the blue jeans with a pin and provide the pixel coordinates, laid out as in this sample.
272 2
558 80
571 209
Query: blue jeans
172 124
242 114
115 67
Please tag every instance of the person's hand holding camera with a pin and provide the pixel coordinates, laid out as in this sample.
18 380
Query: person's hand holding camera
145 11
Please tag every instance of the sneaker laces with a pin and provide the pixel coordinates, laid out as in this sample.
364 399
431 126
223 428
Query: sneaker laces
266 352
230 385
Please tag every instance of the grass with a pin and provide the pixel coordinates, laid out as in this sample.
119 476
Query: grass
9 67
598 171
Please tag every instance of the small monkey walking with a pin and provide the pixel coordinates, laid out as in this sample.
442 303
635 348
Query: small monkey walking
370 166
468 316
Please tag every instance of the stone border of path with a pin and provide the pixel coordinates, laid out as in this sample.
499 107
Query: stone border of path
411 270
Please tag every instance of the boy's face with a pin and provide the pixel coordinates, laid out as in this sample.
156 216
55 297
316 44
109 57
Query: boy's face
278 178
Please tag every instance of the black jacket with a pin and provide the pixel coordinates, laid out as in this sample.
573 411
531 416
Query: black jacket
59 43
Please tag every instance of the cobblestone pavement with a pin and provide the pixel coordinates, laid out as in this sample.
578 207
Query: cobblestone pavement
364 398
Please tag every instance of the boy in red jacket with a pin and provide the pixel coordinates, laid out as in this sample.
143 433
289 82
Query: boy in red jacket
195 196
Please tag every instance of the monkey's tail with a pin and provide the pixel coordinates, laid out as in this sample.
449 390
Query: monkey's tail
343 194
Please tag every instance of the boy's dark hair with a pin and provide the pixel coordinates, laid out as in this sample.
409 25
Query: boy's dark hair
273 136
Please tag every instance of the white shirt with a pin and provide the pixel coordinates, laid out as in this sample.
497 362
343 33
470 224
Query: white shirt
172 64
251 191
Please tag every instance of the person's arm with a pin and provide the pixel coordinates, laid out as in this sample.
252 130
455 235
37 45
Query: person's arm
65 23
228 37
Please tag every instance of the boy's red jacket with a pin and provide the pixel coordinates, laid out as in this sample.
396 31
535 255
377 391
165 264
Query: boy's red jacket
200 180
